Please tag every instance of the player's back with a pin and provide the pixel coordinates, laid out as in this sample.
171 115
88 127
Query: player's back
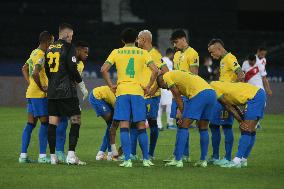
129 62
61 84
228 66
185 59
104 93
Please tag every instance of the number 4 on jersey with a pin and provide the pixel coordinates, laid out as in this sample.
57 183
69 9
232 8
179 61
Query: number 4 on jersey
130 68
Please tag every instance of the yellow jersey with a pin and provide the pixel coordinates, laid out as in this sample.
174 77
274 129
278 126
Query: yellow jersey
104 93
129 61
188 84
228 66
235 93
80 67
157 58
185 59
37 57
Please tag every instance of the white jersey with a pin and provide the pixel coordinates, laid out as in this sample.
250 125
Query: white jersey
254 74
168 61
261 61
166 96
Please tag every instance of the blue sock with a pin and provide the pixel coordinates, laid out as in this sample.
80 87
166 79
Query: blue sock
244 142
181 139
251 144
204 143
143 142
105 143
215 139
26 137
61 134
154 134
133 138
125 142
186 147
229 141
42 137
108 136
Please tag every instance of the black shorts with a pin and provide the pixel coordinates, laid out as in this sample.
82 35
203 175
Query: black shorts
65 107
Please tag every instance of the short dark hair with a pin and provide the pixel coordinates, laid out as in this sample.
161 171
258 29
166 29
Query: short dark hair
65 25
129 35
81 44
44 36
177 34
213 41
251 57
169 51
262 48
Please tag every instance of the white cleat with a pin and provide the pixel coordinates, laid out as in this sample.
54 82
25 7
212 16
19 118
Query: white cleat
74 160
53 159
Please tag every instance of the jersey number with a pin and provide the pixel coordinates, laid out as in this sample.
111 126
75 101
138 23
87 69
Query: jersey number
224 114
53 62
130 68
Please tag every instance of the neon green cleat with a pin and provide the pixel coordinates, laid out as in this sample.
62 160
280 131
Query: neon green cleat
127 163
212 160
25 160
221 162
186 159
232 164
244 163
61 157
176 163
201 163
43 160
147 163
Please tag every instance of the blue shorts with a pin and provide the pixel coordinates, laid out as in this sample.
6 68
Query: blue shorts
37 106
174 107
130 108
200 107
221 116
152 107
255 106
101 107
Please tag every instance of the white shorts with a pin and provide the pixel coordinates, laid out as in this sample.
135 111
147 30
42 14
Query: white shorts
166 97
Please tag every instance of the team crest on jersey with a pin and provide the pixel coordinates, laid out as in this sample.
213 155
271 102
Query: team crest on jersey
104 108
195 61
41 61
235 64
74 59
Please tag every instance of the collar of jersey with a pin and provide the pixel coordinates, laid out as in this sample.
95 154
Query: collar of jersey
151 49
183 50
129 45
225 55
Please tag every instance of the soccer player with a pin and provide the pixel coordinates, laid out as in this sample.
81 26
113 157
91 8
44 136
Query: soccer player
82 53
185 59
130 103
235 94
62 73
198 105
102 100
230 71
152 102
166 96
36 99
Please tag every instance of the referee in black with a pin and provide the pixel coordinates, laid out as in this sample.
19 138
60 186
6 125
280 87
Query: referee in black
63 77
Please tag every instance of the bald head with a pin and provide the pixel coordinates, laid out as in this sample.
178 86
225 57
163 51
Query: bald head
144 39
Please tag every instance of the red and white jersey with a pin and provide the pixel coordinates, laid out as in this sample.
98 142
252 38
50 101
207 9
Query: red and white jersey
261 61
254 74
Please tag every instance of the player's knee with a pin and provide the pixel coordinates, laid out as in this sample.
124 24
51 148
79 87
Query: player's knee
75 119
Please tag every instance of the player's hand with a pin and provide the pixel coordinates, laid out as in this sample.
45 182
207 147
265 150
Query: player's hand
146 90
179 122
113 88
244 126
179 115
269 92
152 92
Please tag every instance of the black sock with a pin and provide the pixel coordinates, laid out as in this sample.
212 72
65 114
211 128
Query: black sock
51 137
73 136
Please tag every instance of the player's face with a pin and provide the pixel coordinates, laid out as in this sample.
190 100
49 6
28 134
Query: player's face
178 43
83 53
215 51
140 41
261 54
67 35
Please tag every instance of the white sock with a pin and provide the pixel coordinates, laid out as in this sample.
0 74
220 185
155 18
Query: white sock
113 149
23 155
53 156
237 160
42 155
71 153
244 159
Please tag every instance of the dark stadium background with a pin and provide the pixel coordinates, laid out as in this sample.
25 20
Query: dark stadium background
243 26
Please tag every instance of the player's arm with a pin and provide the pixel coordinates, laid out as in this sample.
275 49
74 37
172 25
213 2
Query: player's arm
25 71
154 75
177 97
194 69
194 64
240 74
266 86
104 70
35 76
163 69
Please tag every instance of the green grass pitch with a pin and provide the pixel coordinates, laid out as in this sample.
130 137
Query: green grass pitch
265 166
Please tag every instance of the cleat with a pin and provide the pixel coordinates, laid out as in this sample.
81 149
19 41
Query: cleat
43 160
121 158
53 159
171 158
147 163
212 160
221 162
201 163
231 164
244 163
74 160
127 164
25 160
61 156
134 157
186 159
176 163
100 157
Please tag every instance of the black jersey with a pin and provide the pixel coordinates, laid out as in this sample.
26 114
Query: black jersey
61 70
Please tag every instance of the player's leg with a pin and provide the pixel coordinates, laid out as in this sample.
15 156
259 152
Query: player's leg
215 141
229 141
108 119
51 135
170 121
133 139
112 131
61 138
26 135
204 142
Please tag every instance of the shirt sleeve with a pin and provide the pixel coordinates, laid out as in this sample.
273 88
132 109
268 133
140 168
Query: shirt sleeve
148 58
233 64
39 59
111 58
244 66
168 80
194 60
72 64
